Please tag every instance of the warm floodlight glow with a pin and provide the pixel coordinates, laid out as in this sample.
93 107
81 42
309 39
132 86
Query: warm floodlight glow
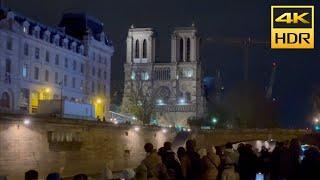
47 90
137 128
99 101
26 121
188 129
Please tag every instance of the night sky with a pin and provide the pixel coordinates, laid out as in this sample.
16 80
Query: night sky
298 72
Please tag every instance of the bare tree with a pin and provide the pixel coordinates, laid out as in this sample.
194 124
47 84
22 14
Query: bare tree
141 97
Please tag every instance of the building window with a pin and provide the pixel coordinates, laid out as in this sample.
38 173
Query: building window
57 60
99 73
82 68
46 76
99 89
137 55
133 75
93 56
66 62
36 73
81 84
65 80
8 71
105 75
188 49
8 66
74 65
56 77
73 82
46 36
144 76
37 53
36 32
26 49
56 40
92 87
47 56
186 73
144 49
24 70
100 59
9 43
65 43
93 71
181 50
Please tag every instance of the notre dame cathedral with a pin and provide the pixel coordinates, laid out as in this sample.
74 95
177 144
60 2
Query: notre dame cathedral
178 83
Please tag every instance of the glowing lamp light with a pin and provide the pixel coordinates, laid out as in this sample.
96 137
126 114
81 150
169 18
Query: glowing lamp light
134 118
115 122
160 102
170 126
317 128
214 120
137 128
316 120
99 101
189 130
182 101
164 131
47 90
26 121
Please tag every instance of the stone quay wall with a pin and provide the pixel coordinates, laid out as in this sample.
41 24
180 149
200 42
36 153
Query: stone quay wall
71 146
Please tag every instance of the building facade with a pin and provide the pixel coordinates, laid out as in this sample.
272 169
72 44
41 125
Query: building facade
178 83
38 62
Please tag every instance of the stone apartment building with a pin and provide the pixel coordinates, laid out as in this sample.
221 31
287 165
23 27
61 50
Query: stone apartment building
71 61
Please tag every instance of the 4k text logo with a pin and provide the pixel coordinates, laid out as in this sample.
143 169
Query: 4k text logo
292 27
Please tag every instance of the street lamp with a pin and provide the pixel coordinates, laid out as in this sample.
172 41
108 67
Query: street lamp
214 120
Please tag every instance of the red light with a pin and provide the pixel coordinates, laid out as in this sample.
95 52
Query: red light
274 64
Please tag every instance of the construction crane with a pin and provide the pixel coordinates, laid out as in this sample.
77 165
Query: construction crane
244 43
271 82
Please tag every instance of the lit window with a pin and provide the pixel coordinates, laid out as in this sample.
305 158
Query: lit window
36 73
145 76
133 75
187 72
37 53
25 71
25 29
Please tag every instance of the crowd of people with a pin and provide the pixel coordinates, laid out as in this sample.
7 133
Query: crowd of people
287 161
